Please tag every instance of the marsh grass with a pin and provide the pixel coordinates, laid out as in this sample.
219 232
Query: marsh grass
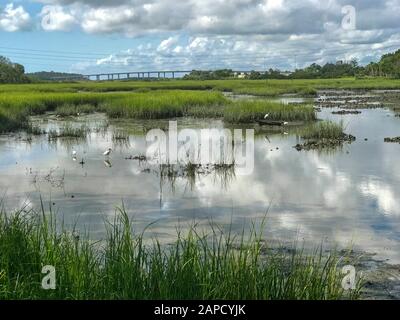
252 110
69 131
75 110
34 130
11 120
324 130
199 264
162 104
119 135
163 99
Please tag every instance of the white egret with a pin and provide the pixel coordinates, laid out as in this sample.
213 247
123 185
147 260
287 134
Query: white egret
74 153
266 116
107 152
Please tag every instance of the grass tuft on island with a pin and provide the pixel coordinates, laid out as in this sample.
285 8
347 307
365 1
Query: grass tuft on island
197 265
324 135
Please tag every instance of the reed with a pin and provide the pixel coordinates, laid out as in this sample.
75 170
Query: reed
69 131
197 265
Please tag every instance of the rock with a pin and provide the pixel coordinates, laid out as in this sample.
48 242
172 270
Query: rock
392 140
325 143
342 112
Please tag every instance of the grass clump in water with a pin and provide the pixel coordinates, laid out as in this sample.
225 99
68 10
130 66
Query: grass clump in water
69 131
74 110
34 130
197 265
253 110
324 135
325 130
120 135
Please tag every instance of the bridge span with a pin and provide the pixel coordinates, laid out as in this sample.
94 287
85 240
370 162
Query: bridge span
136 75
139 75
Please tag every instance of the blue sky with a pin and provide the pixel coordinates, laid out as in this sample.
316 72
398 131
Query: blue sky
89 36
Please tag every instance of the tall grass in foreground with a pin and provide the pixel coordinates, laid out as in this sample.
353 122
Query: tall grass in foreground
195 266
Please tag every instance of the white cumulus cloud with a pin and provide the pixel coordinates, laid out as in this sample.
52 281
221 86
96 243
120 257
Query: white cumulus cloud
55 18
14 18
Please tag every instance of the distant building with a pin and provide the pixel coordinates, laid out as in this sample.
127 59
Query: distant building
285 73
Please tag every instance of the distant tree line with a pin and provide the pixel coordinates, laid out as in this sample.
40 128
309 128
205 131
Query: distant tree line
54 76
12 72
388 66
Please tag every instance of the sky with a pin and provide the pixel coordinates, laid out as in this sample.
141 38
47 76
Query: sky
95 36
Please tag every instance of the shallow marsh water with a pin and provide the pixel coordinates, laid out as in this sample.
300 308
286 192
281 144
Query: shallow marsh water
347 196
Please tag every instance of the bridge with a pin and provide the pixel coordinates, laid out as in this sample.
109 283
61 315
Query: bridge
139 75
136 75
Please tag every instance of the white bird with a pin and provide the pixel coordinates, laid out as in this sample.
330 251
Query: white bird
107 152
266 116
74 153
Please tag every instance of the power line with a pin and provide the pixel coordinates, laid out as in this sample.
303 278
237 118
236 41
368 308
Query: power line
54 51
198 57
250 60
66 54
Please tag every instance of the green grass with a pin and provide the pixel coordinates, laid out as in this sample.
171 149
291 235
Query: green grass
69 131
251 110
16 107
197 265
75 110
159 99
257 87
162 104
34 130
324 130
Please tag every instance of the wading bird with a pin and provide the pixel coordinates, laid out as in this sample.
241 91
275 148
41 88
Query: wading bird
74 153
107 152
266 116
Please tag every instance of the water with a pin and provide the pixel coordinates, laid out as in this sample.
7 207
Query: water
350 196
